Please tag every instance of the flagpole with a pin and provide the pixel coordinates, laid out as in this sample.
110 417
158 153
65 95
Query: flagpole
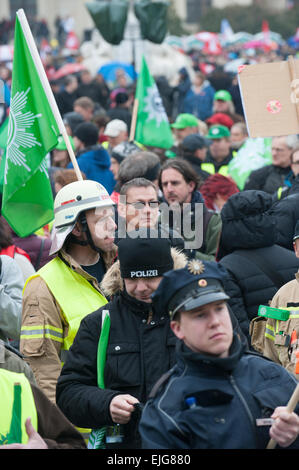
46 86
134 120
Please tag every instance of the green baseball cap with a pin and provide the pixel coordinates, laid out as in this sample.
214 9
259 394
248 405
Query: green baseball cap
185 120
218 132
223 95
62 145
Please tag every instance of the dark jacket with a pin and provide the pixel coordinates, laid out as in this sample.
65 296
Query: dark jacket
141 348
37 248
218 165
286 214
247 250
196 165
181 90
65 101
268 178
231 394
209 227
95 163
53 426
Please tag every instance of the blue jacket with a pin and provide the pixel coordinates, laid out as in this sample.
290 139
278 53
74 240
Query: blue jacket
231 394
200 104
95 163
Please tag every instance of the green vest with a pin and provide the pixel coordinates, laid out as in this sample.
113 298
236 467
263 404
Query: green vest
76 297
17 404
210 168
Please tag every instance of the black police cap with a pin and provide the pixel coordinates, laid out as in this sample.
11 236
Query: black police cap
199 283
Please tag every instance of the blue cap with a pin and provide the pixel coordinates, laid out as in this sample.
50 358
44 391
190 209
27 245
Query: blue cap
199 283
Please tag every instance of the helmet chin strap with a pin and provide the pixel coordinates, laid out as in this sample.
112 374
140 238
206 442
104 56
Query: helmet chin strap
89 241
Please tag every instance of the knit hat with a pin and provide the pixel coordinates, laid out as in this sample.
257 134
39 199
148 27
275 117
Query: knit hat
88 133
143 253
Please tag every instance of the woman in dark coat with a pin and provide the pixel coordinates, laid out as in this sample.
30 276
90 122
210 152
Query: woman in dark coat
248 250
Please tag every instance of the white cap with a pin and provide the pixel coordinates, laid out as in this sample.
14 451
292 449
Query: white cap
114 128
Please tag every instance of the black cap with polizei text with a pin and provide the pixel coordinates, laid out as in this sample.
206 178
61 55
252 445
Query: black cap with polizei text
144 254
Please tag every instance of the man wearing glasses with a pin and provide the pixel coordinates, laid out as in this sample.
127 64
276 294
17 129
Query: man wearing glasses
271 177
139 208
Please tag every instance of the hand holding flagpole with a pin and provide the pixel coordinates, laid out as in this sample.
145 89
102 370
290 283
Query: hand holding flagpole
47 89
290 408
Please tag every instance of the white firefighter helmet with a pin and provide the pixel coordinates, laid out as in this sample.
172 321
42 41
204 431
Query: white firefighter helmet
70 201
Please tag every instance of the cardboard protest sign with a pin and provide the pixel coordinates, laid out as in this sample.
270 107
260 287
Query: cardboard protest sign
270 97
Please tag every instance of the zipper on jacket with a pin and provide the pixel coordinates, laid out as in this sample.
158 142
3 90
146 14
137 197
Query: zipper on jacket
243 401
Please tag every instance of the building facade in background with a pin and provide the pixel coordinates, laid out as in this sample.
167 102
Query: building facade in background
190 11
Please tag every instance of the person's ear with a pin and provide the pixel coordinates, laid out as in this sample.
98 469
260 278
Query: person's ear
176 328
77 230
121 208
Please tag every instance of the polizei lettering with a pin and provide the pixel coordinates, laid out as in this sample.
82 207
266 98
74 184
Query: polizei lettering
148 273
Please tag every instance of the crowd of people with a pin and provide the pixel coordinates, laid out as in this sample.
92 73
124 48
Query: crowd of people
132 320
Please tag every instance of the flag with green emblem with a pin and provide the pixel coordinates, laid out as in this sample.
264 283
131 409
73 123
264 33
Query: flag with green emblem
27 202
152 126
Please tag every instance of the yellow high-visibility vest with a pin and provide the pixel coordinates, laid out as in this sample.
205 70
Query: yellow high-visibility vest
17 404
76 297
210 168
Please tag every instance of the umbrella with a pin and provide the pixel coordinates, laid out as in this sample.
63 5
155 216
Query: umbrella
68 69
192 42
109 70
293 41
273 37
174 41
233 65
238 38
211 42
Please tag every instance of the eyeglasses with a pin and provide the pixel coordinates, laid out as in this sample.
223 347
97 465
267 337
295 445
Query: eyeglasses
140 205
294 163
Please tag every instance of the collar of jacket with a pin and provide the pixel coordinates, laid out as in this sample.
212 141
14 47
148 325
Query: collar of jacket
112 282
69 261
204 361
225 161
135 306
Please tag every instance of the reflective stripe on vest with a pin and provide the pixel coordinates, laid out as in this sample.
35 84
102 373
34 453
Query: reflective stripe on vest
279 192
76 297
270 332
17 404
210 168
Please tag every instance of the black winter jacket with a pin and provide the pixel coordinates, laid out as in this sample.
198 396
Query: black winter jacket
231 394
138 353
268 178
286 214
248 250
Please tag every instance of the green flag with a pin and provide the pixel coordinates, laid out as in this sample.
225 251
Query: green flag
27 201
3 134
253 154
152 126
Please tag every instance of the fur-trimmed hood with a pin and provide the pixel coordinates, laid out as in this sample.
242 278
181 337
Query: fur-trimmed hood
112 283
